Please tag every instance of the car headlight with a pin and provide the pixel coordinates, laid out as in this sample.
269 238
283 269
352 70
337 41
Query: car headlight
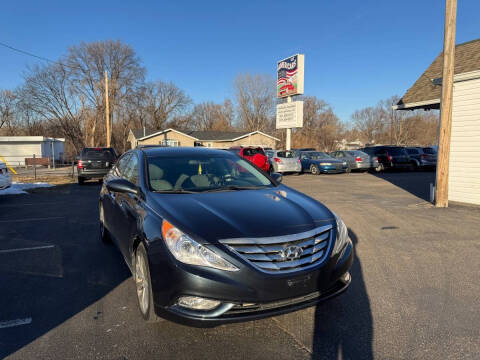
342 235
188 251
325 163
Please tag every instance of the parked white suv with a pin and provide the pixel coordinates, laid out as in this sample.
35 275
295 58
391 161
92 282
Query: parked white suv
5 178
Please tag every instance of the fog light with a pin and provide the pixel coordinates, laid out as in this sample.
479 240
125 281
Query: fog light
197 303
346 277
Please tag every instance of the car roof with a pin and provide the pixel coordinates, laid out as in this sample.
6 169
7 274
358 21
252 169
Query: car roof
181 151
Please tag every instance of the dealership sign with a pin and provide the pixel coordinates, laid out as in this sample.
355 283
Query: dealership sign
290 115
290 76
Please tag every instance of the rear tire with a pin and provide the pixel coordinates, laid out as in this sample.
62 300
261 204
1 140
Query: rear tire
81 180
348 171
144 285
314 170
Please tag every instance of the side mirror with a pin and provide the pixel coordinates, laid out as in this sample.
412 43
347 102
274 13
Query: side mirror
122 186
277 177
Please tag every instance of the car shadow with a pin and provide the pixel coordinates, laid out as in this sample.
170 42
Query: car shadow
344 325
417 183
63 268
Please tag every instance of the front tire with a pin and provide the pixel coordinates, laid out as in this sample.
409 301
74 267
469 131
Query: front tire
103 232
143 285
379 168
314 170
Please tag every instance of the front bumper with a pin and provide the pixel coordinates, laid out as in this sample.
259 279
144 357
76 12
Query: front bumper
247 294
331 169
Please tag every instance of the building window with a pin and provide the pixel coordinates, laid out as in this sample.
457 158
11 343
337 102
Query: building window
170 142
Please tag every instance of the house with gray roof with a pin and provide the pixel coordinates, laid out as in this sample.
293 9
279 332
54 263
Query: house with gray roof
207 138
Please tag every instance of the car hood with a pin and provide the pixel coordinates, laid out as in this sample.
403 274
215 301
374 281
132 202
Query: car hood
209 217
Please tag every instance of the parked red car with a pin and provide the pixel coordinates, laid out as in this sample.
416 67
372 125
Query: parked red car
255 155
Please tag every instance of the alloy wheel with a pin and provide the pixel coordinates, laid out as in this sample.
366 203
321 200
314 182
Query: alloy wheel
313 170
141 282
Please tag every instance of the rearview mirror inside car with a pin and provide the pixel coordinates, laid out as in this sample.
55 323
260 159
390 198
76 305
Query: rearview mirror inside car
121 186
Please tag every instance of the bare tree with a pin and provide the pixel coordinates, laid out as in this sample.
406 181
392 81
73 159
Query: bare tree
321 127
8 104
211 116
370 123
50 95
255 97
164 102
87 64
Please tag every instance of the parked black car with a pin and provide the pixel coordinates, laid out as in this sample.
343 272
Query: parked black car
423 157
211 239
391 157
95 163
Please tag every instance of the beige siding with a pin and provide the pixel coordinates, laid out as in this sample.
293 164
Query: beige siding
255 140
183 140
464 179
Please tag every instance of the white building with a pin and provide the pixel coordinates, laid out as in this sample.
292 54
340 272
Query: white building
15 149
464 168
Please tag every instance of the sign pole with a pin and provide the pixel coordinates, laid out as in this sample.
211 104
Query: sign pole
289 131
441 195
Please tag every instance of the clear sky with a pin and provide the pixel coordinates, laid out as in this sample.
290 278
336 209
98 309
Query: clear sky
356 51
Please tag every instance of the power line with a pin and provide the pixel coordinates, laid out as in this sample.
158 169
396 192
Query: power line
37 56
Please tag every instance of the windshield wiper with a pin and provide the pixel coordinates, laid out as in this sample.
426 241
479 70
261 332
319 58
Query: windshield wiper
178 191
234 187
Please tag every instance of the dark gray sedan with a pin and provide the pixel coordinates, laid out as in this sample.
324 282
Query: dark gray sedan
357 160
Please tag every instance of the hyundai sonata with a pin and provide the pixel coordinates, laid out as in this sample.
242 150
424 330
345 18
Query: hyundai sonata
211 239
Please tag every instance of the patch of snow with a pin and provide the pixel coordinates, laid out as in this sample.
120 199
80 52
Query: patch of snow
19 188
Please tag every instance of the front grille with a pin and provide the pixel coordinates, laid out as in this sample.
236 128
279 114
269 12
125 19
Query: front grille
274 254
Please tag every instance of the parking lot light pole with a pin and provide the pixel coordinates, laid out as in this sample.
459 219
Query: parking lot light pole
441 193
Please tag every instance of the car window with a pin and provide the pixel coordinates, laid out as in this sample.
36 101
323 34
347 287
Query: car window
412 151
131 169
270 153
430 151
106 154
304 156
286 154
380 152
251 152
318 155
396 151
121 165
353 153
203 173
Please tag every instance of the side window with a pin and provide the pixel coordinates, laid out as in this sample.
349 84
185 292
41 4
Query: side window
304 156
121 165
131 171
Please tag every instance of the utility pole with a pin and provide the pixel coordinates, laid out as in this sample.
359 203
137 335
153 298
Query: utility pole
107 109
443 158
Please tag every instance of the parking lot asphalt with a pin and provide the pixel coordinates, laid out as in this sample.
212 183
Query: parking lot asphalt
414 294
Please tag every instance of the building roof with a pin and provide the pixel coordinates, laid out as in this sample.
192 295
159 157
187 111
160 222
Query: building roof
424 93
207 135
24 139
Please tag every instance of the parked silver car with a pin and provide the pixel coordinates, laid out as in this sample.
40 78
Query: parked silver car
283 161
5 178
357 160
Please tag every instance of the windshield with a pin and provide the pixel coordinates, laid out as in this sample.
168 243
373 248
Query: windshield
318 155
430 151
199 173
396 151
106 154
